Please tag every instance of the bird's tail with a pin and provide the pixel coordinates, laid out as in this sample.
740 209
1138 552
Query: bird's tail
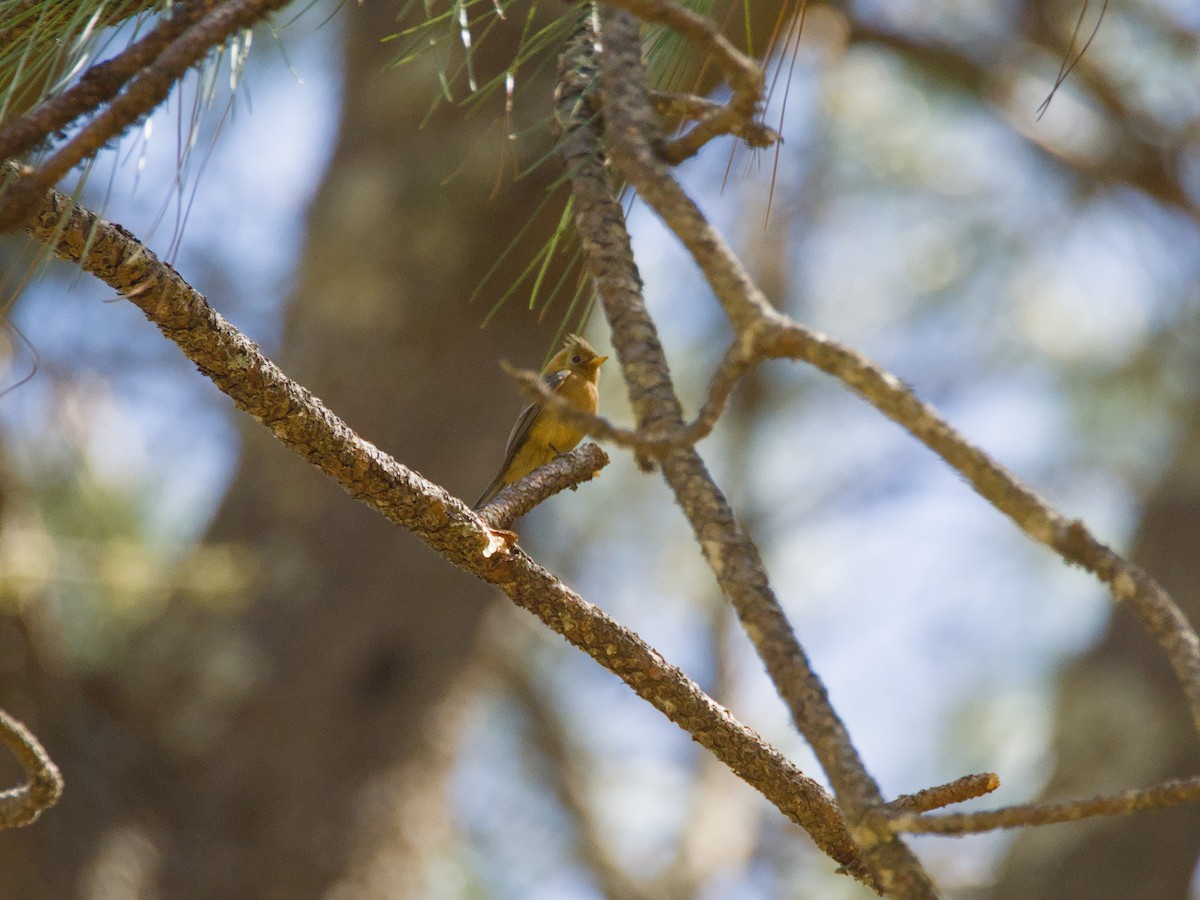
492 490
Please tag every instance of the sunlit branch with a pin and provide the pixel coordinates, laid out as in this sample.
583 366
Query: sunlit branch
23 16
764 331
631 131
966 788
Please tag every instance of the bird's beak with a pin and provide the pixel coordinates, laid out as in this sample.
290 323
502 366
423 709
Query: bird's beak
597 361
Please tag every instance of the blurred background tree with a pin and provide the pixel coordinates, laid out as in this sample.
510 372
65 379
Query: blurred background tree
255 689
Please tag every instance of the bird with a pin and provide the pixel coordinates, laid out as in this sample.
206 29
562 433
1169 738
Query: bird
540 435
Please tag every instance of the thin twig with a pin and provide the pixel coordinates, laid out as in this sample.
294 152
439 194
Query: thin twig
1161 796
693 108
22 805
1069 538
961 789
302 423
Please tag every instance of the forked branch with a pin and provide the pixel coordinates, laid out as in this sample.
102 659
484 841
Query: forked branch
737 116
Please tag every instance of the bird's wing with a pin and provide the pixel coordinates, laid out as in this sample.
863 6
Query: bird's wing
528 416
520 431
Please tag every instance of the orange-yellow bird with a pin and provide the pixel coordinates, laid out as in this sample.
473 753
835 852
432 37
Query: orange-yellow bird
539 435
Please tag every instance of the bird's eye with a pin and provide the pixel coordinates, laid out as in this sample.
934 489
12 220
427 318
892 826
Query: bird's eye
575 359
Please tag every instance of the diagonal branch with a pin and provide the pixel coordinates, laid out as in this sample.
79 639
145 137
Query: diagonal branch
1069 538
968 787
779 338
302 423
567 471
99 84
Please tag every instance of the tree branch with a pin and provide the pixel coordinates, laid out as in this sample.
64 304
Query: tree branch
1169 793
713 119
762 331
567 471
743 74
966 788
99 84
1069 538
22 805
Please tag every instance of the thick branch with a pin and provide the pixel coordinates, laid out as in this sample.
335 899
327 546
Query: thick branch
779 338
302 423
633 145
763 331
